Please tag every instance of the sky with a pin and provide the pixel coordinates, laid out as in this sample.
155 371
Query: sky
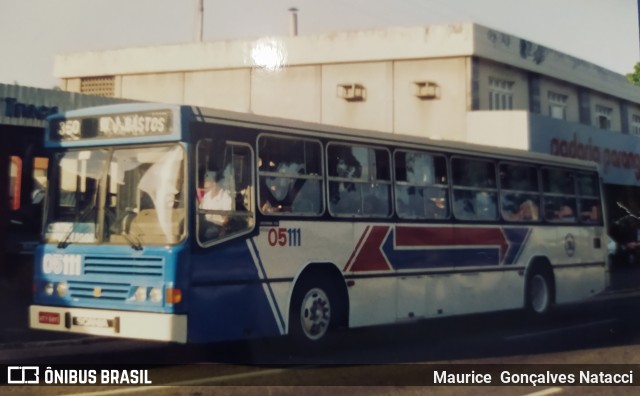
32 32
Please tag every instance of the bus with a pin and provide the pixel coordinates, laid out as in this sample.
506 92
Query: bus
183 224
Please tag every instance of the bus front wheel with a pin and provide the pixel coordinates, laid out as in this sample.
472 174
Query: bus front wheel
314 314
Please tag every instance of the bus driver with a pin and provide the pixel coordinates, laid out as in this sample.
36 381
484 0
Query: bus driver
215 198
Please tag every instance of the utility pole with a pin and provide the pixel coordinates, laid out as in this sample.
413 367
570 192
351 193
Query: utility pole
294 21
199 20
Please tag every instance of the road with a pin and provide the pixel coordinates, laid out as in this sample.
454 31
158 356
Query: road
400 359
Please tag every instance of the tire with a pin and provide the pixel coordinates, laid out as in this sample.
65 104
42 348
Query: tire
314 316
540 292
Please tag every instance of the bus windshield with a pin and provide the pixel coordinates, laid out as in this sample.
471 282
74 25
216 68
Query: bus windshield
123 196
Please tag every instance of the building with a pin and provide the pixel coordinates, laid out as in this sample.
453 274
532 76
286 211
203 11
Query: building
457 82
23 163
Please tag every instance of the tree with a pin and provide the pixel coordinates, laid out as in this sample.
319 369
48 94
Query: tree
635 76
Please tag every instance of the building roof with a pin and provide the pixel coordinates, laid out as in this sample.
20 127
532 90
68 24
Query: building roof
404 43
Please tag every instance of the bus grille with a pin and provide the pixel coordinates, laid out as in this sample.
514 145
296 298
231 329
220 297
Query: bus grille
99 290
118 266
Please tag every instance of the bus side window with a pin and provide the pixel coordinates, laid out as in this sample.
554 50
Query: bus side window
421 186
224 190
520 192
559 195
588 197
290 176
475 194
359 181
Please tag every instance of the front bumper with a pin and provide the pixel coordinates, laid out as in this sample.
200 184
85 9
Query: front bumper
110 323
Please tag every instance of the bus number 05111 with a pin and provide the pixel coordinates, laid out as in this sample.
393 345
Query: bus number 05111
285 237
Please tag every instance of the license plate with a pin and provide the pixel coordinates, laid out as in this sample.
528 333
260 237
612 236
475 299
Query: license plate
52 318
92 322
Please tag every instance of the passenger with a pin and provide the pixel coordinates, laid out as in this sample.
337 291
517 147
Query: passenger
565 213
528 211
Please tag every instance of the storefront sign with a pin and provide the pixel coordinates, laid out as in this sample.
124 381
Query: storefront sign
16 109
617 154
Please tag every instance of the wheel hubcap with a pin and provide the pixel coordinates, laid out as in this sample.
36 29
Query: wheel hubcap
539 294
315 314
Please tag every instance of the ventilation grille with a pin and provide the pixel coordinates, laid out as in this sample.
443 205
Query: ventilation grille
98 86
99 291
118 266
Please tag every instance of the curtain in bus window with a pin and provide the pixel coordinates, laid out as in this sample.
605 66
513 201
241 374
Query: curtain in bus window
161 183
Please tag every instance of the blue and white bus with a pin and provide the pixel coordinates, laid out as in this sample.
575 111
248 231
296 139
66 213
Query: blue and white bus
324 227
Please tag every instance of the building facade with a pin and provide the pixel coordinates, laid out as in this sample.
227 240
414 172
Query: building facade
462 82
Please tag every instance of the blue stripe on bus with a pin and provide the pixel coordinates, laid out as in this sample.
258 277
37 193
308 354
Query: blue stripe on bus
517 241
238 306
268 284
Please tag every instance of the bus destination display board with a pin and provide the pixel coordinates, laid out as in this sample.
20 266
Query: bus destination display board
149 123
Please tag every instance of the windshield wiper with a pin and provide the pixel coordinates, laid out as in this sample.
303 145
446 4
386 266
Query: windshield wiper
84 216
136 244
122 226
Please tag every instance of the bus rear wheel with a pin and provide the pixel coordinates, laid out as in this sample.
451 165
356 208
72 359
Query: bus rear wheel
540 292
314 315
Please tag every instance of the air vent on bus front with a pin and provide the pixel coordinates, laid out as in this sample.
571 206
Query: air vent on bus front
124 266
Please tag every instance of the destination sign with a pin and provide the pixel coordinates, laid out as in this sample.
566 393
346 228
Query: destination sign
151 123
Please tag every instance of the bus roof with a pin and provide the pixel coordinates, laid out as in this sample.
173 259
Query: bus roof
333 131
311 129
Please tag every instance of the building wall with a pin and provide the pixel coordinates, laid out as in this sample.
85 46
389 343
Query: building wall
290 92
428 116
221 89
165 87
374 111
465 68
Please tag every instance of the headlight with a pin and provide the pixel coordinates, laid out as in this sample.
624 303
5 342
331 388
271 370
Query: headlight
62 289
155 295
48 289
141 294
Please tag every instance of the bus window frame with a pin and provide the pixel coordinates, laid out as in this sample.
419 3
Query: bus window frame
390 183
196 201
446 186
495 189
559 195
537 192
258 174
